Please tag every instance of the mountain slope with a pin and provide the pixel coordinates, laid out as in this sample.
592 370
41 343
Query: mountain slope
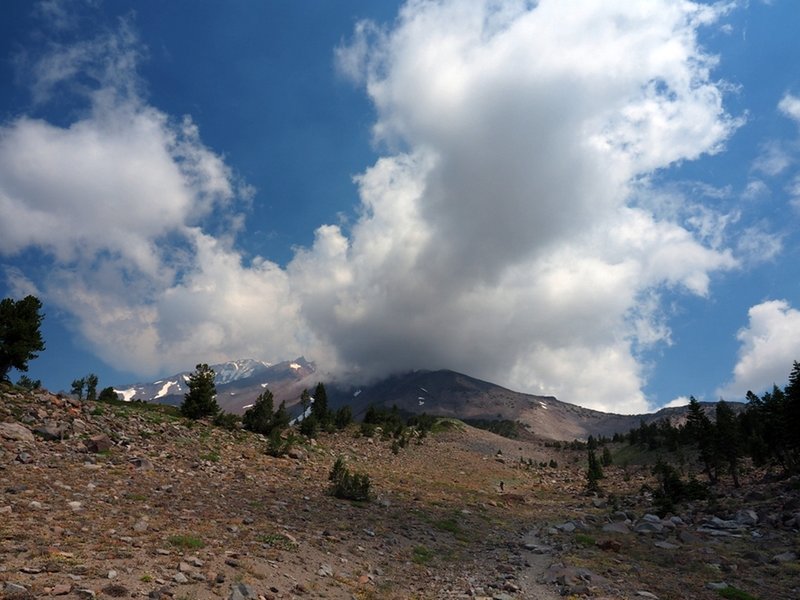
451 394
442 393
238 383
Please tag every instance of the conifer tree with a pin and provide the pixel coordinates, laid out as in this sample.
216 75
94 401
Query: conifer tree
258 418
594 473
201 399
20 338
701 431
728 439
319 410
91 387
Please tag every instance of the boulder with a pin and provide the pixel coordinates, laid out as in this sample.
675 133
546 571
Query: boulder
16 432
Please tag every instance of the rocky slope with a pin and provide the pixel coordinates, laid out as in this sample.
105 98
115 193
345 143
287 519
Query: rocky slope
100 500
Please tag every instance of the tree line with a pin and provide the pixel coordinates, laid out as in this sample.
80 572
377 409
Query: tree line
767 431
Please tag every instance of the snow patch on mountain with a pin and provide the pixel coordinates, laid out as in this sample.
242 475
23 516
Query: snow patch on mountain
165 389
127 395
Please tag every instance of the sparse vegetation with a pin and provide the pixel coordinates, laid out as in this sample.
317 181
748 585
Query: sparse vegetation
186 542
347 485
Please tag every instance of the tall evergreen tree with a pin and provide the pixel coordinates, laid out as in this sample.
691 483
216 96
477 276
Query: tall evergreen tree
20 338
792 419
77 387
702 433
594 473
258 418
319 410
728 439
201 399
91 387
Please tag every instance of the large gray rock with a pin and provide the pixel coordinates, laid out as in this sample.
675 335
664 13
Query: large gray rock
616 527
16 432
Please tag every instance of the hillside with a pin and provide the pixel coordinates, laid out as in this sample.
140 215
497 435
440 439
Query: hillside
130 500
451 394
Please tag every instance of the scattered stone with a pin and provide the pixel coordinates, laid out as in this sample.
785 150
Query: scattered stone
29 570
241 591
644 594
784 557
325 571
297 454
112 574
75 506
616 527
24 458
180 578
666 545
10 589
116 590
52 432
85 593
16 432
609 545
99 443
61 589
141 463
141 525
716 585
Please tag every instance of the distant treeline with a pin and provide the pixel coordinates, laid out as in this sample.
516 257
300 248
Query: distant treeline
767 431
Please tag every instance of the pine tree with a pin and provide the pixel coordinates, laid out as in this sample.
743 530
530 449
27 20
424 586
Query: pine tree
791 420
77 387
20 338
91 387
594 473
728 439
258 418
201 400
319 409
305 401
701 431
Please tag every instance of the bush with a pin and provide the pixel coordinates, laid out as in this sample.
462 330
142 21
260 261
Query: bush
227 421
343 418
108 395
349 486
673 490
309 426
276 445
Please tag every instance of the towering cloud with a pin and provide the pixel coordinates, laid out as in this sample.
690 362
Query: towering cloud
510 230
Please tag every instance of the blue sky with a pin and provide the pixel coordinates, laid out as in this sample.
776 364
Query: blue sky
595 200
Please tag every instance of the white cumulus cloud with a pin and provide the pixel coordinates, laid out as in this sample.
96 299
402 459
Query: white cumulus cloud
509 231
769 344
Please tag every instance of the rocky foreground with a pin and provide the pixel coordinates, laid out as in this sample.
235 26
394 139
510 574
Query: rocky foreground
101 500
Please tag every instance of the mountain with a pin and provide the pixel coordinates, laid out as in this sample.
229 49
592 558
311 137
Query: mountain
238 383
451 394
440 393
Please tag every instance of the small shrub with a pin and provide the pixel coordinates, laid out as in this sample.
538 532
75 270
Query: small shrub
733 593
347 485
309 426
186 542
228 421
421 555
276 445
